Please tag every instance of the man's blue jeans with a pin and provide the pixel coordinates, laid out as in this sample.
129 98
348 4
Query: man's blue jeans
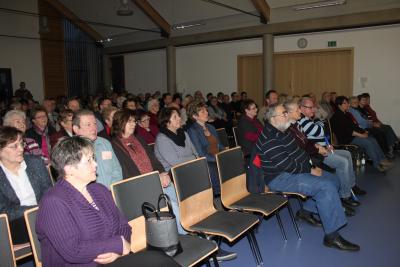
371 147
342 162
323 191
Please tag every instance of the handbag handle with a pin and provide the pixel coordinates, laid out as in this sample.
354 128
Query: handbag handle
146 206
167 201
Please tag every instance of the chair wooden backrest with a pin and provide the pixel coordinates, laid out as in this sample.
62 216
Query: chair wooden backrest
194 191
223 137
235 135
232 175
129 195
30 220
7 257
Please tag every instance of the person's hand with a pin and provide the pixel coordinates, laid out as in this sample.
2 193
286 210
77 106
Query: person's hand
126 246
364 135
165 179
106 258
316 171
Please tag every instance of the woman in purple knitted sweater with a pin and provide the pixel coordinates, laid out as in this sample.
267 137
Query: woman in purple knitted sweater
78 223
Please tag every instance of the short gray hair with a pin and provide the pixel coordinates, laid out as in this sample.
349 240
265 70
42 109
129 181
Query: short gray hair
303 100
271 112
69 151
12 113
151 103
289 105
77 116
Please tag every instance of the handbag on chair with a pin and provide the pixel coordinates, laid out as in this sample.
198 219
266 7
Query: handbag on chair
161 228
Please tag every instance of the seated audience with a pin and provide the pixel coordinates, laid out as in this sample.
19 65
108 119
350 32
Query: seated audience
129 103
271 97
391 137
17 119
49 105
65 121
205 139
107 114
153 107
325 104
144 129
108 168
136 157
339 159
347 132
363 122
217 116
183 111
23 181
73 104
41 131
287 168
249 128
78 223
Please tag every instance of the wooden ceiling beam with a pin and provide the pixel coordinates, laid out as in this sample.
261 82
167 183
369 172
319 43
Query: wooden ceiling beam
153 14
75 19
263 8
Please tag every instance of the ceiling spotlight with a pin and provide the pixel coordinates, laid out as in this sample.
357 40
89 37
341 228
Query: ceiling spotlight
124 9
319 4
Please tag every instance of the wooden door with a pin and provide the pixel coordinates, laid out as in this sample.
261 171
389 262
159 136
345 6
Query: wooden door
250 77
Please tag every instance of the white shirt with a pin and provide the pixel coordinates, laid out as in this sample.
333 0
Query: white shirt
21 185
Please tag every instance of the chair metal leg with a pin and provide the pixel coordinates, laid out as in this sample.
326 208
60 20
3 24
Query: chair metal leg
278 218
252 235
214 257
296 227
252 248
208 263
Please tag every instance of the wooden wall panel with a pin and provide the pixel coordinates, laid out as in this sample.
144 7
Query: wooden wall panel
53 56
250 77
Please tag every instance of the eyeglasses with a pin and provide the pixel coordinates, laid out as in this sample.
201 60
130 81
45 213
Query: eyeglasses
284 114
307 107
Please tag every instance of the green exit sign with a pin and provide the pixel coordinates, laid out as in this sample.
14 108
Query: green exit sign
331 43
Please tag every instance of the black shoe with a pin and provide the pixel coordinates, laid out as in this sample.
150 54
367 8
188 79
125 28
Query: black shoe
308 217
358 191
350 202
340 243
223 255
349 211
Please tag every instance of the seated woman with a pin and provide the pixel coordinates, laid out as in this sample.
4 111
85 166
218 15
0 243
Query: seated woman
17 119
107 114
347 132
136 157
65 121
205 140
23 181
144 129
153 107
78 223
217 116
173 144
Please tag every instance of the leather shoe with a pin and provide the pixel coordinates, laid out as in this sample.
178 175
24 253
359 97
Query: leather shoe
340 243
349 211
358 191
350 202
308 217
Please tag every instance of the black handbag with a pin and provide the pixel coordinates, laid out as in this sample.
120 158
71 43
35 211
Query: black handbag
161 228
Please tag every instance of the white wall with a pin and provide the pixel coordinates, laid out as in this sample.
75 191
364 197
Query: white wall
146 71
23 56
213 67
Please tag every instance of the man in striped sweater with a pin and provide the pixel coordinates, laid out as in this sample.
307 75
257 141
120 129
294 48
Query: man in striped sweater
338 159
287 168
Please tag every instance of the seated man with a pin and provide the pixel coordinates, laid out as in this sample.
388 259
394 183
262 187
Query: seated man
348 132
392 140
338 159
108 168
287 168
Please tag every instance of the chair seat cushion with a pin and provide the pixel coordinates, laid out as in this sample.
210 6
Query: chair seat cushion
265 204
227 224
194 249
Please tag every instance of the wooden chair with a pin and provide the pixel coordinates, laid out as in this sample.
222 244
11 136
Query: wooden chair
129 194
6 247
234 194
223 137
30 220
197 211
